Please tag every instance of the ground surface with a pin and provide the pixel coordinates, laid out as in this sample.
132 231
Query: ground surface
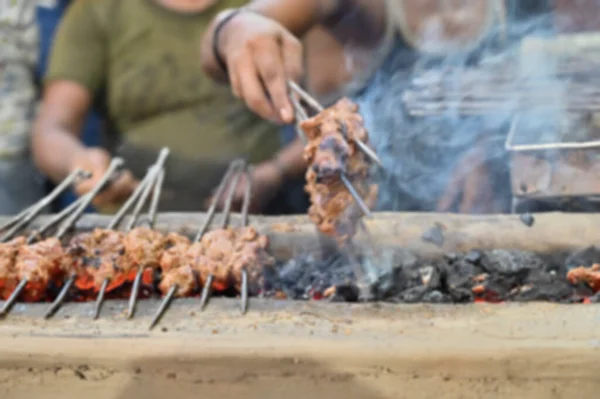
299 350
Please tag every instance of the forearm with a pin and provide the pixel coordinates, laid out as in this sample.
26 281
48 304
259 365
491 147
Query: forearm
298 16
290 159
54 149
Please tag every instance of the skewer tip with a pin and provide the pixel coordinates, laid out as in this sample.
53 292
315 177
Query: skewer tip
134 294
206 291
244 293
163 306
100 299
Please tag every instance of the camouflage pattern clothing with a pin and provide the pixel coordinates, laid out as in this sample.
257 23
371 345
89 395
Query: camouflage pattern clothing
19 183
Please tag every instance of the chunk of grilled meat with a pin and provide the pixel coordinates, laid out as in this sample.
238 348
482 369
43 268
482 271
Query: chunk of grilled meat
179 266
331 152
228 251
587 275
97 256
40 264
144 246
8 274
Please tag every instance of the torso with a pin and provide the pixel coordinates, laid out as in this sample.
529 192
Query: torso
158 94
419 154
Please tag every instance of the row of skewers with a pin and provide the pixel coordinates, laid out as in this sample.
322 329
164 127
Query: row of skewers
111 263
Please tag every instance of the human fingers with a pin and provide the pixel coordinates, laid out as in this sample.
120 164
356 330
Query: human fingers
270 64
117 191
252 91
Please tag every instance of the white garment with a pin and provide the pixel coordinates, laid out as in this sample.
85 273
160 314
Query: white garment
19 46
20 183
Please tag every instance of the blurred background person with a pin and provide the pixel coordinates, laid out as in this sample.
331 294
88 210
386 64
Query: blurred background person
134 58
49 14
444 164
20 184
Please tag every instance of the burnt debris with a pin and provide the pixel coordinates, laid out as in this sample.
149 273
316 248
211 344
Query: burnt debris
491 276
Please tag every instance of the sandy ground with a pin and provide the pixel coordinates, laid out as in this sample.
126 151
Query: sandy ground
299 350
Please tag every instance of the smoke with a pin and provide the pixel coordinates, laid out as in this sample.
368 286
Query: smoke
420 154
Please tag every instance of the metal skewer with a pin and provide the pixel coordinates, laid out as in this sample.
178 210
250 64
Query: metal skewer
84 202
244 292
57 218
100 298
300 116
311 101
81 203
56 304
114 165
17 218
164 306
232 176
152 217
144 192
13 298
33 211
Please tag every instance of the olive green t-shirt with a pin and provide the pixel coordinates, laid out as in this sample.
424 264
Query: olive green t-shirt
147 59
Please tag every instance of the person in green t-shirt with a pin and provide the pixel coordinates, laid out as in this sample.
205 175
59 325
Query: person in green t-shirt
142 58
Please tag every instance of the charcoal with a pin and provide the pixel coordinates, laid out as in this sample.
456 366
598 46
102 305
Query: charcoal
458 280
473 256
434 235
585 257
540 286
436 297
508 262
499 287
582 290
430 276
414 294
451 256
346 293
595 298
399 276
527 219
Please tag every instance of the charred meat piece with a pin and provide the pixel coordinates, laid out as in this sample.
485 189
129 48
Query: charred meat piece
587 275
186 279
8 274
228 251
40 264
97 256
143 247
331 151
178 265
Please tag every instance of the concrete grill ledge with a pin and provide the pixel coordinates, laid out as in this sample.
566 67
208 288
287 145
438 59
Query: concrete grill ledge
291 235
284 349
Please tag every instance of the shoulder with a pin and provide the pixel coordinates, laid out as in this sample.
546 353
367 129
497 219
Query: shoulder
99 12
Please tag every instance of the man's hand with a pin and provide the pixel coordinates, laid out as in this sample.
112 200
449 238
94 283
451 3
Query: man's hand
470 186
266 182
96 161
261 55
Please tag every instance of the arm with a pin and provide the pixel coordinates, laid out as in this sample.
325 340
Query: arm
55 142
75 72
260 49
296 16
290 160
